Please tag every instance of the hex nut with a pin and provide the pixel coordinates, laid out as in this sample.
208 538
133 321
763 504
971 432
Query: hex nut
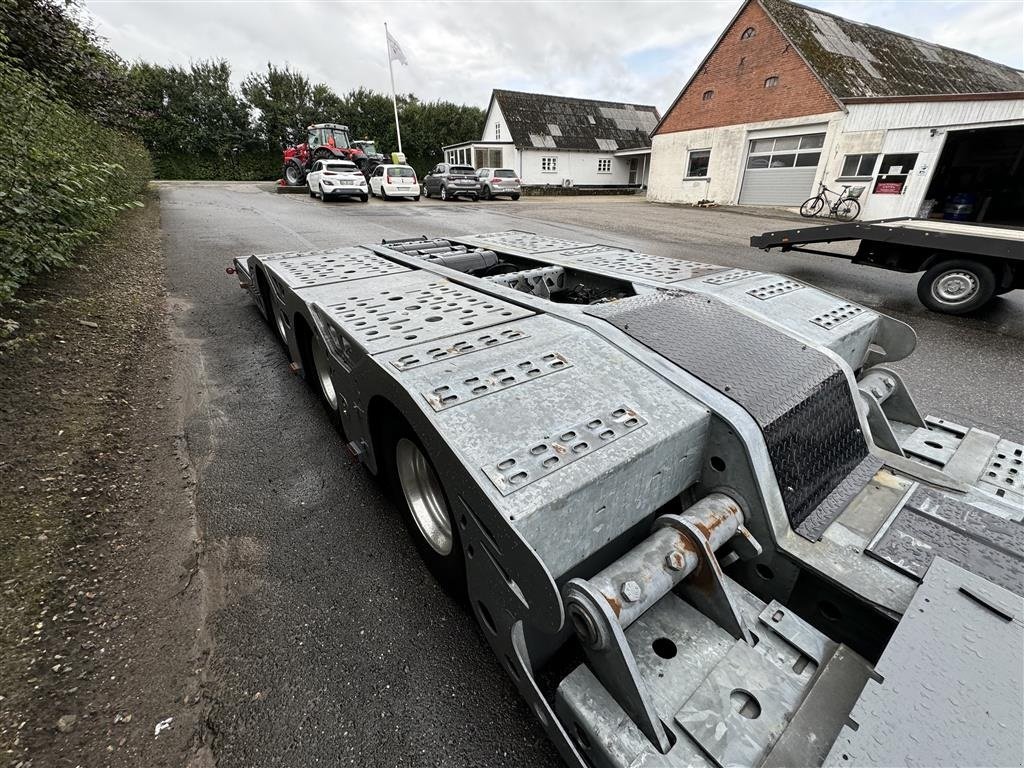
631 591
675 560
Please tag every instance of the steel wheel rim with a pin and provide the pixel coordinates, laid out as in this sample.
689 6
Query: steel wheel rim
955 287
423 495
323 373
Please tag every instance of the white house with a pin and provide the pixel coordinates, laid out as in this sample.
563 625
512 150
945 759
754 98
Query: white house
791 96
562 142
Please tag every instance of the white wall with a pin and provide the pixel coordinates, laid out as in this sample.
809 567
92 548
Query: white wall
581 167
728 144
917 127
495 116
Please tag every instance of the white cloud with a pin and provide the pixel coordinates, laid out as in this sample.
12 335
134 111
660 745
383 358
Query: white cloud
640 51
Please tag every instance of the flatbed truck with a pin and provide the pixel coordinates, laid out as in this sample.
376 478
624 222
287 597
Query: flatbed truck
965 265
699 518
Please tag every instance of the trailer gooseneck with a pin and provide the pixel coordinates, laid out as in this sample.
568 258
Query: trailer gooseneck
704 484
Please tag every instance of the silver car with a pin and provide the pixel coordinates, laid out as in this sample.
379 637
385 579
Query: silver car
496 182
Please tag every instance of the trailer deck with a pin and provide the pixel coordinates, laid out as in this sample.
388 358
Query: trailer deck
690 477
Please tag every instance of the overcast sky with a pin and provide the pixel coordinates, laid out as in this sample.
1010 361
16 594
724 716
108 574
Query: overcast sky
630 51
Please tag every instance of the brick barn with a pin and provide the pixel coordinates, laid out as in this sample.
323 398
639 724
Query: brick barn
790 96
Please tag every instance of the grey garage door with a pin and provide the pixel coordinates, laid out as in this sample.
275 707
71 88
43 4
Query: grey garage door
781 171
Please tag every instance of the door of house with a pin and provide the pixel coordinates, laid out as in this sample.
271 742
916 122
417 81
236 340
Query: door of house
634 167
781 170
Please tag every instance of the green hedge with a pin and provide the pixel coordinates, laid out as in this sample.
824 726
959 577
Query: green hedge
63 178
244 166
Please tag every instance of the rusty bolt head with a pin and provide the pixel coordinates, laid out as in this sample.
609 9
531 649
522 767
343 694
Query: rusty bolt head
675 560
631 591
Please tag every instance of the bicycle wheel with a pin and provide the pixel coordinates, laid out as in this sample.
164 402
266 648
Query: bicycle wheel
811 207
848 209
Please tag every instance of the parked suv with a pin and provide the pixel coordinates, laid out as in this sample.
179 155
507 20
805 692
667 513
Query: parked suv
336 178
495 182
449 181
390 181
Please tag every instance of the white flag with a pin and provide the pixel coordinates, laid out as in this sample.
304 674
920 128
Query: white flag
395 51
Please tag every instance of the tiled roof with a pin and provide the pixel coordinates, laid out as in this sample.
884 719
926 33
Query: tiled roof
857 60
536 120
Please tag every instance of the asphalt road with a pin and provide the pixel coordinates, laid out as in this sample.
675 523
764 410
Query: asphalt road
330 645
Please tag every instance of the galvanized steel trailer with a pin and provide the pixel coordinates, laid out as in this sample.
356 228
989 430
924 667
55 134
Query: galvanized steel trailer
699 519
965 265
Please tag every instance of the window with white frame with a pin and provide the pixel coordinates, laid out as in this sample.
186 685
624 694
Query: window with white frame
548 164
604 165
859 165
497 131
697 163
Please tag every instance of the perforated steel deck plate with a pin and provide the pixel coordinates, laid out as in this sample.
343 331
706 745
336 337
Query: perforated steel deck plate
524 242
932 524
331 266
459 345
729 276
631 264
450 392
526 465
775 288
414 308
840 313
1004 473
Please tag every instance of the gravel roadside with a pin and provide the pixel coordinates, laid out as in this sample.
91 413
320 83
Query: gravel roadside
98 641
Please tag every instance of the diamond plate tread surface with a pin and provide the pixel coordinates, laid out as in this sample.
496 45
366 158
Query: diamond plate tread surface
799 397
452 392
832 506
546 456
631 264
307 270
932 524
407 314
951 689
459 345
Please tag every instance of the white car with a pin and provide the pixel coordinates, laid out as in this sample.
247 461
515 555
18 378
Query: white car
388 181
336 178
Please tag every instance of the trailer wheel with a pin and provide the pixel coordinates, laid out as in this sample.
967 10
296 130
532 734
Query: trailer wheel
956 286
428 516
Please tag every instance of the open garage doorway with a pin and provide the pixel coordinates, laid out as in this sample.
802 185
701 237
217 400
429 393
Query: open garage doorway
980 176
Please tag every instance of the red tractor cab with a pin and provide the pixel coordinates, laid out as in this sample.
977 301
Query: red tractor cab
323 140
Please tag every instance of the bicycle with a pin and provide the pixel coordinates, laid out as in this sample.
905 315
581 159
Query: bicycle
845 207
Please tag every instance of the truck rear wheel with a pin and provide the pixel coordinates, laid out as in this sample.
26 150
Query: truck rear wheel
956 286
417 489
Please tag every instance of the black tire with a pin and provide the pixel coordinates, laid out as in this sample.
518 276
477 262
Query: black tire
323 197
322 154
384 194
444 192
515 197
811 207
956 286
294 176
311 192
426 191
1007 280
449 568
364 198
475 198
416 199
485 193
848 210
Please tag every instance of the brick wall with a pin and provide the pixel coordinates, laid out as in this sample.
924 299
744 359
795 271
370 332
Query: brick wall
736 71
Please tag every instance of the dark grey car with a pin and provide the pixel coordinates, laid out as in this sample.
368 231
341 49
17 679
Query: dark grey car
450 181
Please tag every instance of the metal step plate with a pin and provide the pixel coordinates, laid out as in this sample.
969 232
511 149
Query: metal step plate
324 267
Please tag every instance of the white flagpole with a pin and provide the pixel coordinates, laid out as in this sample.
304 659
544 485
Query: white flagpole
391 71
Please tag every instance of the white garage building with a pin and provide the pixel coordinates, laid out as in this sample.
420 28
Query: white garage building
556 141
790 96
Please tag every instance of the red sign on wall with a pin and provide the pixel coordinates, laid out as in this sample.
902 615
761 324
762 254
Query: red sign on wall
890 185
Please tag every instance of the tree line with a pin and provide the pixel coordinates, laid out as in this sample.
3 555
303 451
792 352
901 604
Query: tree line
193 121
